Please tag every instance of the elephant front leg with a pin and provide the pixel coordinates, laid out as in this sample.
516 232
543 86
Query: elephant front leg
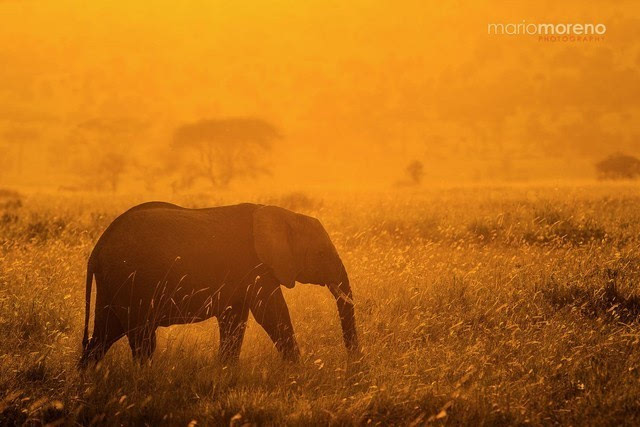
232 324
271 312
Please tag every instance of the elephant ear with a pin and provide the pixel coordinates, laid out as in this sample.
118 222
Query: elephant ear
272 241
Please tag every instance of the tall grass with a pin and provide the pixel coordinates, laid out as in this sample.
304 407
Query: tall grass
475 306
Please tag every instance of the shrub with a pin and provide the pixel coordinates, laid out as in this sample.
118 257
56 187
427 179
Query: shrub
618 166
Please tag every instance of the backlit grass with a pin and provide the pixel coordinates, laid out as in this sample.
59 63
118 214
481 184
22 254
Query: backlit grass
488 305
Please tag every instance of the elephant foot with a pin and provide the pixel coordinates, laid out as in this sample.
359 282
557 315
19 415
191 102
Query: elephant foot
289 350
93 353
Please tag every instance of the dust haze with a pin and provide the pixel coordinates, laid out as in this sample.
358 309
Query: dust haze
466 204
358 91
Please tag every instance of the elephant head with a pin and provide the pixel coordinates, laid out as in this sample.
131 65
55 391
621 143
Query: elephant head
296 247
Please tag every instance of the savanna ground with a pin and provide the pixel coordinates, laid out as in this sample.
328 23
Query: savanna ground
486 305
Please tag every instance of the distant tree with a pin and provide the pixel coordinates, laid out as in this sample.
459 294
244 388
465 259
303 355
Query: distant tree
110 168
415 172
618 166
101 150
222 150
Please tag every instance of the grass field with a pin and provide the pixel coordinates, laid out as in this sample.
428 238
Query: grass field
484 305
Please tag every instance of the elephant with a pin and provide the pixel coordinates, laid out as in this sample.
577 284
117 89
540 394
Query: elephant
159 264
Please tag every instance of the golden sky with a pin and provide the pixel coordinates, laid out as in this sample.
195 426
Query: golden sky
359 88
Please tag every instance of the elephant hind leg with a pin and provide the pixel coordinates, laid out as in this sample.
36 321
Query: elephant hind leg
271 312
232 324
106 331
143 343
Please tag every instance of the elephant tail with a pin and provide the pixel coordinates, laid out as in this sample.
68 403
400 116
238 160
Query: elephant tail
87 302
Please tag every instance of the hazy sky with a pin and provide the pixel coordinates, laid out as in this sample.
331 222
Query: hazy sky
358 88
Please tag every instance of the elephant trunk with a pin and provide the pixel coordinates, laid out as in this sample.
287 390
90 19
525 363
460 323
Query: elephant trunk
344 299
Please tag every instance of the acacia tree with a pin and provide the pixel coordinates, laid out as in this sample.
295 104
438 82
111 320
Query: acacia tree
222 150
618 166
